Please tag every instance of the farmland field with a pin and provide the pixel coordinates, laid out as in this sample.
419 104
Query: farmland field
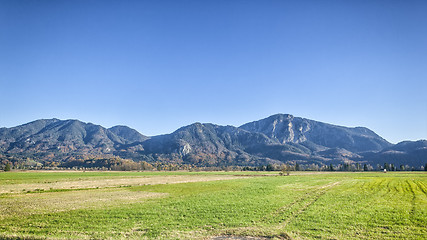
212 205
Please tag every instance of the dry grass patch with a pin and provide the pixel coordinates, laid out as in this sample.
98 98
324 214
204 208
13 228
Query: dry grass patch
114 182
26 204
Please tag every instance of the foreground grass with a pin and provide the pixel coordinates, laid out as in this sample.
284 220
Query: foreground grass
325 206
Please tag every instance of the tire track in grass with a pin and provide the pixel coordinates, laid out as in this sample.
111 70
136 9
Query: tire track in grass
291 210
389 186
412 212
287 208
422 187
317 194
417 190
301 205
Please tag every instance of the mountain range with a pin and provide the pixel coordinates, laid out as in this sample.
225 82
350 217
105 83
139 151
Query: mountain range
280 138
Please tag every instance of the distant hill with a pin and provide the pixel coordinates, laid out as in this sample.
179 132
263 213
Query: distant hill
280 138
128 134
404 153
65 136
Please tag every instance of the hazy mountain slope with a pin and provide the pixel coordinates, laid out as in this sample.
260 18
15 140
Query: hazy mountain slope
412 153
409 146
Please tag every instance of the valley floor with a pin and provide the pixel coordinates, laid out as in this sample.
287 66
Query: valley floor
212 205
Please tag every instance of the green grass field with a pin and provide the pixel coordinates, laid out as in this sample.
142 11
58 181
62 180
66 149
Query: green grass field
213 205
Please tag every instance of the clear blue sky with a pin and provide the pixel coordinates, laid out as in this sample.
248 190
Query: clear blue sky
159 65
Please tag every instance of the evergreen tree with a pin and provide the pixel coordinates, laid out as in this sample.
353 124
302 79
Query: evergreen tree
365 167
297 168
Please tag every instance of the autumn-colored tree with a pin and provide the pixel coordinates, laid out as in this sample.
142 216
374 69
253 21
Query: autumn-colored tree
7 167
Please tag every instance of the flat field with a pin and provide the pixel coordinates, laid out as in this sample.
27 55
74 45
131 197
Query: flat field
212 205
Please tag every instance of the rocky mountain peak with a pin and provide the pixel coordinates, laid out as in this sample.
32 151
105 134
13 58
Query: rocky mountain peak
284 128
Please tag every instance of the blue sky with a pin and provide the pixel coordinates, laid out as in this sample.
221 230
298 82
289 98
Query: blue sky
159 65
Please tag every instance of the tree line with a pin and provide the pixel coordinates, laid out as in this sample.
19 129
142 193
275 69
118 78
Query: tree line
119 164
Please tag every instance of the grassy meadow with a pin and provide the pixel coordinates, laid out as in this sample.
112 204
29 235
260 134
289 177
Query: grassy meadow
212 205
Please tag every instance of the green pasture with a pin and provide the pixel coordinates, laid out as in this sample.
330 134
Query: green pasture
299 206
